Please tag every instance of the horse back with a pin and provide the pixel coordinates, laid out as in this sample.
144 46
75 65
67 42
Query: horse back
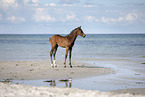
60 40
57 38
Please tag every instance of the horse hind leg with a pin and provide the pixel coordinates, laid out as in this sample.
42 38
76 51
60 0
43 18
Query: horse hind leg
52 48
54 52
51 52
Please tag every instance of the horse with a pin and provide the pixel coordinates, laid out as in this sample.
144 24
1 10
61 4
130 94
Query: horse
65 42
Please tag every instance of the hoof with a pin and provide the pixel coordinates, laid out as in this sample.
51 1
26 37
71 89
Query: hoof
70 66
64 66
52 66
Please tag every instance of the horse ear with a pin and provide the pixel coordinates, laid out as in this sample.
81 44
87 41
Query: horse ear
80 27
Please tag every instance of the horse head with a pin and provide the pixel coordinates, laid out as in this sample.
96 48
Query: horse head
80 32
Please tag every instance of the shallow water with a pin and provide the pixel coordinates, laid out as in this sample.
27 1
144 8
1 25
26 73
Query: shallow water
112 51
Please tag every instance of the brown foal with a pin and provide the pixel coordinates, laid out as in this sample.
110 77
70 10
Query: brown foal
65 42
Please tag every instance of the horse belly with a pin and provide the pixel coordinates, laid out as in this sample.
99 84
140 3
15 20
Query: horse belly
62 42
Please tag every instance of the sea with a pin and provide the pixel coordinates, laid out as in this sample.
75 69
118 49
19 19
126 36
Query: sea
30 47
94 49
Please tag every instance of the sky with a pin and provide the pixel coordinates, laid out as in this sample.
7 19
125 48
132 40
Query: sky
62 16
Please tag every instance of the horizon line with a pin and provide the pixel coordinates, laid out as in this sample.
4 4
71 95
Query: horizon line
68 33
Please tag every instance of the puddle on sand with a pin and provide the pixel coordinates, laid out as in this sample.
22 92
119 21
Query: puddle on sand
102 83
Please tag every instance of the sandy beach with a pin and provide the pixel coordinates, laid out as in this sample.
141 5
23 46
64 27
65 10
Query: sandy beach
31 70
14 90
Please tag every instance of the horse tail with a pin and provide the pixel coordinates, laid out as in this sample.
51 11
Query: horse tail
49 38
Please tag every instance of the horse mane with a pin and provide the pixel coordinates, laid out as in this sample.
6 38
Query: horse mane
73 31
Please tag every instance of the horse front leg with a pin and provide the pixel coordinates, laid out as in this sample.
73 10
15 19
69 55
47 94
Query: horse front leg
70 50
66 53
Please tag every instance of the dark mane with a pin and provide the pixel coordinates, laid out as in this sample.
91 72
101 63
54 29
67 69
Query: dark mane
73 30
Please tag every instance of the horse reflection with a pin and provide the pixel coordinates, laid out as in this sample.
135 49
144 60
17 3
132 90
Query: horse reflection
53 83
68 83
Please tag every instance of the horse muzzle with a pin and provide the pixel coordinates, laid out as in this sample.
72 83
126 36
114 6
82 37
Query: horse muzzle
84 35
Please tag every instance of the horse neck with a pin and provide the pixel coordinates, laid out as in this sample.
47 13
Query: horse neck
72 36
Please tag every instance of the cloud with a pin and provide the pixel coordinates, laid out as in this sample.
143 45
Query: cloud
88 5
131 17
108 20
26 1
70 17
15 19
6 4
31 2
42 15
35 1
69 1
68 5
128 18
51 4
91 19
120 19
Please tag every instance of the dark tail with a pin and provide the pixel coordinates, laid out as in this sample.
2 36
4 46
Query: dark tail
49 38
